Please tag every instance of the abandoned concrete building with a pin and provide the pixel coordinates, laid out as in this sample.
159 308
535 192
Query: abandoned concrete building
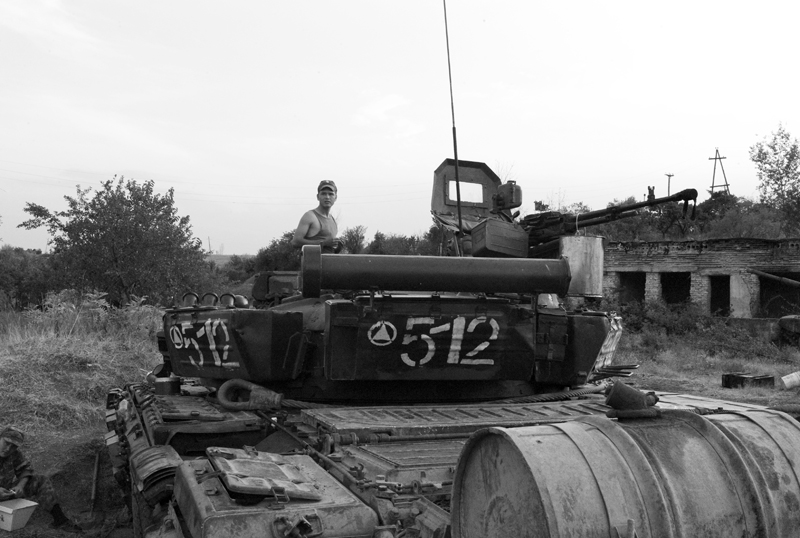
739 278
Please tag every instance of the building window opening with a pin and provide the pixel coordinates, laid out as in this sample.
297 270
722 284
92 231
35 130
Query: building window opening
676 287
720 295
778 299
631 287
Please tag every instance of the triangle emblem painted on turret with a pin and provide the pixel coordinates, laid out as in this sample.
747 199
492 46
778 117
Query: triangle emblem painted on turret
382 333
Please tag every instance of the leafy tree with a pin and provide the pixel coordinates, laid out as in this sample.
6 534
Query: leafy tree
280 255
746 219
670 222
777 161
353 239
240 268
576 208
715 208
433 241
25 277
393 244
124 240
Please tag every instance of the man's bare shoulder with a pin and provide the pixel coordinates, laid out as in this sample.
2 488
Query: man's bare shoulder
307 219
309 215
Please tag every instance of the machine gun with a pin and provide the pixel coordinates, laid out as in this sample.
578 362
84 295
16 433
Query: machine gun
545 227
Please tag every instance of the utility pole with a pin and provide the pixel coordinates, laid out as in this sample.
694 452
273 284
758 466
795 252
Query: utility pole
716 158
669 180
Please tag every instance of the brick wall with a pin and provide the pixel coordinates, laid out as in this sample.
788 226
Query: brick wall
733 257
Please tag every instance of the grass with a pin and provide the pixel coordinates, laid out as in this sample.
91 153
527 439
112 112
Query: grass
56 366
694 362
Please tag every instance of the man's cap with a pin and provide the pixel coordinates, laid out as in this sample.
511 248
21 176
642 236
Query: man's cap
12 435
326 184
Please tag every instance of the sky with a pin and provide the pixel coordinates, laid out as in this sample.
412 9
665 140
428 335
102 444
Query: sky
243 107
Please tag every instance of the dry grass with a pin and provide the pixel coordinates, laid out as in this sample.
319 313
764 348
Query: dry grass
694 363
57 364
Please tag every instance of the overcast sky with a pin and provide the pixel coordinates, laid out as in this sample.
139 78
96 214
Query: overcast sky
243 107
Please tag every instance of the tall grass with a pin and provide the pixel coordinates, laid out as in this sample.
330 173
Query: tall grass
57 363
680 350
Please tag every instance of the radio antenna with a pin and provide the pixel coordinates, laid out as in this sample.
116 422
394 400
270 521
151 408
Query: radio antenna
453 115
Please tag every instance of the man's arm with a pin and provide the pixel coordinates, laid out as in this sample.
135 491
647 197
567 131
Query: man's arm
20 486
301 232
23 471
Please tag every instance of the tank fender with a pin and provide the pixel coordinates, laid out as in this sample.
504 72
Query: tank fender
153 472
261 398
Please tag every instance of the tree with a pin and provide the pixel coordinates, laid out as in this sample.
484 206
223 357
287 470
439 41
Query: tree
393 244
715 208
746 219
280 255
123 240
239 268
575 208
433 242
25 277
777 161
353 239
670 221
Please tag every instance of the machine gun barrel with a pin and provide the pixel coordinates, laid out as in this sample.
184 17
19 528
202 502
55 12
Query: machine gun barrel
684 196
545 227
600 219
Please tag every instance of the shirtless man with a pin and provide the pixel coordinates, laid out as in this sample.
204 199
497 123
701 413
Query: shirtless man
317 226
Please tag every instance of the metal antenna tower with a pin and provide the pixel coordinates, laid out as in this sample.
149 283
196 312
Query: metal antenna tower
714 185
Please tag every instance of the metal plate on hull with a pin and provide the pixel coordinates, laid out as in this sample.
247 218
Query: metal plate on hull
444 419
464 419
671 400
424 465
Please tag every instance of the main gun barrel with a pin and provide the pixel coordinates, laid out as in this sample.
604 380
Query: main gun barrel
431 273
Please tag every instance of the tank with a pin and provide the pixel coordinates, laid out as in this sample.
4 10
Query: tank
337 400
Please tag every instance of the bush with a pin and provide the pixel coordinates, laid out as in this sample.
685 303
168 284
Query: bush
677 319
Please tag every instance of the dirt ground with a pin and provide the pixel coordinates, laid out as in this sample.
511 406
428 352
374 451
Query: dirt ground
70 463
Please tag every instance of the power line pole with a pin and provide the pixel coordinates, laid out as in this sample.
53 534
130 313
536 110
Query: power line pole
725 186
669 180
